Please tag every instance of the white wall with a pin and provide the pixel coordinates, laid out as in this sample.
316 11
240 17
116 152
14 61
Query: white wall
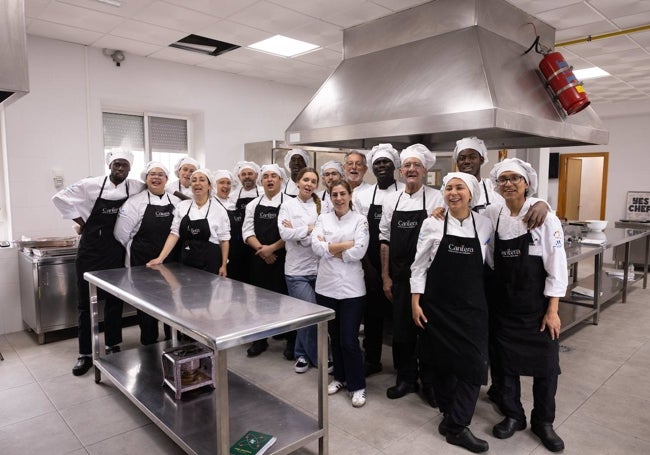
59 125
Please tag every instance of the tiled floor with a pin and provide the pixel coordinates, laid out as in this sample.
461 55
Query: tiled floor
603 402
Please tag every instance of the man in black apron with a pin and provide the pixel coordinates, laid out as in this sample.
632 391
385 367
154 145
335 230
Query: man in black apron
399 234
240 255
267 267
98 249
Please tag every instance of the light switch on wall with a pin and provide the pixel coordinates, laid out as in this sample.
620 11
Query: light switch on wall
57 176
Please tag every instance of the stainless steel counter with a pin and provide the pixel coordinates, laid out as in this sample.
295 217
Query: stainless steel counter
220 313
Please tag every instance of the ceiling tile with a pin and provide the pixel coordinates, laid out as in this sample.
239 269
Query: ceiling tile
229 66
231 32
538 6
316 8
641 38
603 46
356 14
127 9
570 16
180 56
147 33
73 16
322 57
316 32
617 8
220 8
125 45
258 59
584 30
33 8
269 17
634 20
399 5
62 32
175 17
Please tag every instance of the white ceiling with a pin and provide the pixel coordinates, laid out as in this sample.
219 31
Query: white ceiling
147 27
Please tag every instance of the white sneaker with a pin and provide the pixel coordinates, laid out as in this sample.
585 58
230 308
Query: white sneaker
334 387
358 398
302 365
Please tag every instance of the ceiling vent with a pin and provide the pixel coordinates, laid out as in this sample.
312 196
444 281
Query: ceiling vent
203 45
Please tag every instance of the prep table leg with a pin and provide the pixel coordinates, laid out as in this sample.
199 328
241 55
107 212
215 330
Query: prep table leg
323 442
645 264
223 407
626 264
94 324
598 260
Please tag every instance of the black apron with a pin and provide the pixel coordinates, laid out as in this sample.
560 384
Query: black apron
519 306
478 208
148 242
374 217
179 193
240 254
455 305
268 276
98 249
196 249
404 230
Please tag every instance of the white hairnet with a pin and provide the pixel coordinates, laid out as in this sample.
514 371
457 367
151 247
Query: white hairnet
471 182
241 165
224 174
383 151
473 143
520 167
293 152
205 172
185 160
332 165
117 154
271 168
152 165
419 151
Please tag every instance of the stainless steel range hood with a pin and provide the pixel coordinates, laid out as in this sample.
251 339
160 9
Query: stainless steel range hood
14 81
436 73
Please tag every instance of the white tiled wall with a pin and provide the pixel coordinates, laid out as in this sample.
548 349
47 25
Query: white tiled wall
10 316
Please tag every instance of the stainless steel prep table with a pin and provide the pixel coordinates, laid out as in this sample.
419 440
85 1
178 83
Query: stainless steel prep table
220 313
573 311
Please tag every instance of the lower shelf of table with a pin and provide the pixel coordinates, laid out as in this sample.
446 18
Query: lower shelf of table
190 421
571 314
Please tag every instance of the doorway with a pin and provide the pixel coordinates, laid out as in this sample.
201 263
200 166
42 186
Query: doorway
582 186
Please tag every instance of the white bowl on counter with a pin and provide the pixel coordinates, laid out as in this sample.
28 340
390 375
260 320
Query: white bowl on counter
596 225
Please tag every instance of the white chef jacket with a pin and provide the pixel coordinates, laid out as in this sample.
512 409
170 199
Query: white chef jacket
174 186
228 203
429 240
548 242
487 186
340 279
362 198
217 218
326 205
407 203
129 218
78 200
248 228
290 188
363 187
301 260
242 193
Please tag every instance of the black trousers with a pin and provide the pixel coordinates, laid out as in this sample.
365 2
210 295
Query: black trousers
405 339
378 307
456 399
544 390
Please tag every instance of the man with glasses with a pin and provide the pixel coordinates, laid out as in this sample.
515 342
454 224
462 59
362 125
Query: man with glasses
330 172
355 167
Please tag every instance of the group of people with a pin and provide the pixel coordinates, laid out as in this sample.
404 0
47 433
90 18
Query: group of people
470 275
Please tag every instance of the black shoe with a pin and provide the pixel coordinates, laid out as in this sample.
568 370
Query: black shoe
507 427
401 389
548 436
429 395
443 426
82 366
289 351
468 441
257 348
372 368
112 349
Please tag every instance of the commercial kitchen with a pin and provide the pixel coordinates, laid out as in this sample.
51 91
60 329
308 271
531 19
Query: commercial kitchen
77 75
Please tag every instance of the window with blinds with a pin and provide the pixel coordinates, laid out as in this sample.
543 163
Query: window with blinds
149 137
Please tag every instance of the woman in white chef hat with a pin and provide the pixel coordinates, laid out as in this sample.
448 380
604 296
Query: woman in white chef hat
183 170
294 161
530 270
202 228
448 301
329 172
142 227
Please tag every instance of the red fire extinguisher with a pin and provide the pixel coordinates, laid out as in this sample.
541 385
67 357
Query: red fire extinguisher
559 75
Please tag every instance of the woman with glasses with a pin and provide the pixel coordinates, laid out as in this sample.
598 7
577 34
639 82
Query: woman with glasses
530 276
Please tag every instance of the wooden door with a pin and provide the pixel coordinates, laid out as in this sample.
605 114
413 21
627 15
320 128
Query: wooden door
573 182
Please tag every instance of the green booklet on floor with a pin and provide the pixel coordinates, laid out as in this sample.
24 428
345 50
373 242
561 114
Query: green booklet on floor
252 443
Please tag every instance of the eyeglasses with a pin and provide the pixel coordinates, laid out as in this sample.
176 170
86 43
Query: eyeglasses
331 174
414 164
515 179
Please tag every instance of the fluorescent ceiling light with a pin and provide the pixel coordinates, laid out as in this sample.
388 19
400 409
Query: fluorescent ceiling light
590 73
281 45
111 2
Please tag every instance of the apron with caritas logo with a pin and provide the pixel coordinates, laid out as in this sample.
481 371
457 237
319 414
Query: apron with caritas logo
196 249
152 234
265 222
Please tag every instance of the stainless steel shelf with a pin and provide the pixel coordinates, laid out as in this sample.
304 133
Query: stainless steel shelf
191 420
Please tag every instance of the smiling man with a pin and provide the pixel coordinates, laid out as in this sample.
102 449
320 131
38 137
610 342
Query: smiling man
294 161
355 168
93 203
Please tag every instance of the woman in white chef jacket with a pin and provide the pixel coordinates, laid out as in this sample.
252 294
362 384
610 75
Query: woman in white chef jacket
142 227
448 302
202 228
223 185
530 270
183 170
296 222
340 239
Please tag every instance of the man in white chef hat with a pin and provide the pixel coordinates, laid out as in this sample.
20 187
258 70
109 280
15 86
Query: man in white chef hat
294 161
330 172
383 160
402 215
183 170
93 203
